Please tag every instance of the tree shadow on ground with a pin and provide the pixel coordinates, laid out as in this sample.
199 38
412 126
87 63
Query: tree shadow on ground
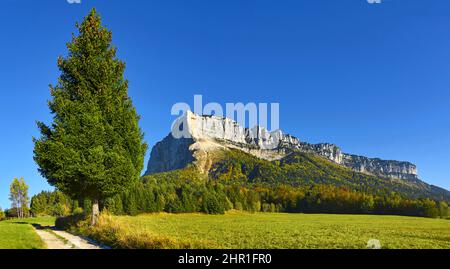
38 226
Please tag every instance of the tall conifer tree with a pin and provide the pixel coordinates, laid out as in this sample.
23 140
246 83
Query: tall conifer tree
94 148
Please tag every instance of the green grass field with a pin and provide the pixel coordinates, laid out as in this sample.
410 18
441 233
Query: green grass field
267 230
245 230
19 233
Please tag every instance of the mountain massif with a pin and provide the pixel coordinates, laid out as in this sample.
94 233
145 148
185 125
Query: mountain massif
212 143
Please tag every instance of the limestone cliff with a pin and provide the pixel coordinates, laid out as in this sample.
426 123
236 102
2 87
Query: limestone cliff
199 136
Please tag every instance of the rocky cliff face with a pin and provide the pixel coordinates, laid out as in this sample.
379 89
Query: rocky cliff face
374 166
395 169
170 154
198 136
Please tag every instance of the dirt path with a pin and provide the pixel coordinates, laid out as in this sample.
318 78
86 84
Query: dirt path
78 242
55 239
51 241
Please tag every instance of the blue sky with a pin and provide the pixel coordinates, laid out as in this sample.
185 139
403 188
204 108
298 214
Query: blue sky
373 79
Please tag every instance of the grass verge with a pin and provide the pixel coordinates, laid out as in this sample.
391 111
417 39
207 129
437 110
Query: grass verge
20 234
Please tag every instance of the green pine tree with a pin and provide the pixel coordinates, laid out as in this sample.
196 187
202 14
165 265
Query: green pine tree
94 148
39 204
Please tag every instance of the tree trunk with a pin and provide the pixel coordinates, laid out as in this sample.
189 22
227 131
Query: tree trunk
95 212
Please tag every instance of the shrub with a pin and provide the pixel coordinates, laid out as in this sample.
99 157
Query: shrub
69 222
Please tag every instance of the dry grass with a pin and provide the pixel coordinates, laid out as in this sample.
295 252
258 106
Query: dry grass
111 232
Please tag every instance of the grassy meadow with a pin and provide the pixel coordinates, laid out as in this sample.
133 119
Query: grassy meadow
270 230
245 231
19 233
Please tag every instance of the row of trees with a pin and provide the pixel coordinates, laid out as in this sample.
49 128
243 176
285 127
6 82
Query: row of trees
184 191
43 204
302 169
147 198
179 192
52 204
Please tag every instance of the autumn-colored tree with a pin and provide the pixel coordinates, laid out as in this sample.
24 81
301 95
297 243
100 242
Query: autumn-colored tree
18 195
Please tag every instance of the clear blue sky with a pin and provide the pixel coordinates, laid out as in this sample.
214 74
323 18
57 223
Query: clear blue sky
373 79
